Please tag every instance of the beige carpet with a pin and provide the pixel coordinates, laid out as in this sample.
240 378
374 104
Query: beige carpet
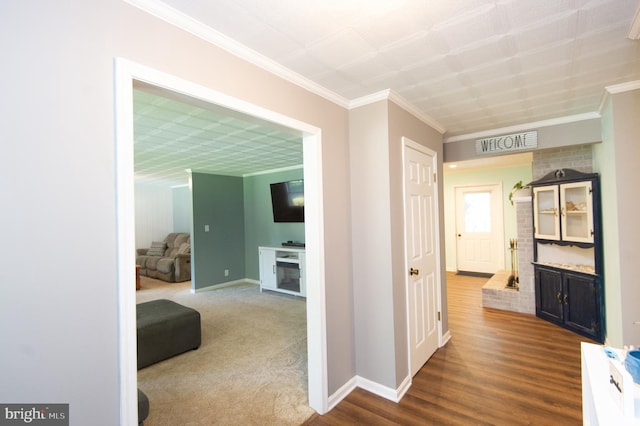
251 368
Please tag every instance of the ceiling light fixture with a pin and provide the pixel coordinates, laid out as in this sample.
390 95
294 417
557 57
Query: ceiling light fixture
634 31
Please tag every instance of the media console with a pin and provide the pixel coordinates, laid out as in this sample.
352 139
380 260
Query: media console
282 269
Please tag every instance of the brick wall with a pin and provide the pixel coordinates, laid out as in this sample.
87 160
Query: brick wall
525 257
577 157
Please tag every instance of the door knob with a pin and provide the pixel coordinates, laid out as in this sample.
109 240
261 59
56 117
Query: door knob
459 235
414 271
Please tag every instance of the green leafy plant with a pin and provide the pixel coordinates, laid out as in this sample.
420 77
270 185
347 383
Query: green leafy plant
516 187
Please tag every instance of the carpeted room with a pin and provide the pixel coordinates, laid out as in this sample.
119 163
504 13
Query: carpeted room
251 366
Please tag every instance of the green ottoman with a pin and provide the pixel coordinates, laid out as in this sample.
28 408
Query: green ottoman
165 329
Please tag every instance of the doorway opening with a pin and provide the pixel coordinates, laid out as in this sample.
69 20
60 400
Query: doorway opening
479 228
126 72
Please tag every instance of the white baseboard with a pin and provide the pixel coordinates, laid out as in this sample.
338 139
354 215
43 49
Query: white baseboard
342 393
445 338
224 285
404 387
386 392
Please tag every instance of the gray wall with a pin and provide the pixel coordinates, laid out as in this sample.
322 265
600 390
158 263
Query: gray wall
64 322
260 229
616 159
379 274
402 123
552 136
218 202
371 224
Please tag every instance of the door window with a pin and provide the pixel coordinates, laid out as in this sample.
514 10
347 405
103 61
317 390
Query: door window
477 212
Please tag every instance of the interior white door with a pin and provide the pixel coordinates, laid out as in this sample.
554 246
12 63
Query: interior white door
479 235
421 241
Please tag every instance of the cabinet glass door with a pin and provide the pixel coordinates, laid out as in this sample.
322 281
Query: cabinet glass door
288 274
545 213
576 212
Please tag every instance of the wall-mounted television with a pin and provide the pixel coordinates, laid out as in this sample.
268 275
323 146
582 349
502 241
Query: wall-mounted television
287 200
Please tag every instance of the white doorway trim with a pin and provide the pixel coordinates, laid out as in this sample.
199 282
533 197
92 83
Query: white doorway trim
125 73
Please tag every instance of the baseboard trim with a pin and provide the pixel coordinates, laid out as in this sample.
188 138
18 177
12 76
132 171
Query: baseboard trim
404 387
445 338
386 392
224 285
342 393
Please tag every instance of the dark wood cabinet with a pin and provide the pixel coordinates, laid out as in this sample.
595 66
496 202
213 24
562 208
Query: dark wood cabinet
570 299
568 252
549 294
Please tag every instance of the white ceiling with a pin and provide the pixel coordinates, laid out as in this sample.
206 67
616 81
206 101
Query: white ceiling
173 133
468 66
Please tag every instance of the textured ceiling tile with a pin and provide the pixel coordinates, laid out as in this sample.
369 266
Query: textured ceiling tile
405 52
481 52
605 14
548 32
430 70
523 13
365 68
550 54
304 64
171 136
479 24
381 29
340 48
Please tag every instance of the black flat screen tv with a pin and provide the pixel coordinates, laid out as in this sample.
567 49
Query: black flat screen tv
287 200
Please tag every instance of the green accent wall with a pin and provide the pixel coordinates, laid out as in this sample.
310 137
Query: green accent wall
260 229
218 201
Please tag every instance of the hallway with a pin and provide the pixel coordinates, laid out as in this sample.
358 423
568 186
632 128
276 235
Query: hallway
499 368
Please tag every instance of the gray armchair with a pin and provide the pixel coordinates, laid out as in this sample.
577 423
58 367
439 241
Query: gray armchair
168 260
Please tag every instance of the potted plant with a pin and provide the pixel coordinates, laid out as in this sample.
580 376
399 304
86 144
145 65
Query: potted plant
519 191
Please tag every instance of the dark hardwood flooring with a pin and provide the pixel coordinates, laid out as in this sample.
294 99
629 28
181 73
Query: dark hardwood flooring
499 368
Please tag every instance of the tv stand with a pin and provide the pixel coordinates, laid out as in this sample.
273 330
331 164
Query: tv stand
282 269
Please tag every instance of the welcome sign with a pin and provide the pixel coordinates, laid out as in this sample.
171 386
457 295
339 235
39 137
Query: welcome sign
507 143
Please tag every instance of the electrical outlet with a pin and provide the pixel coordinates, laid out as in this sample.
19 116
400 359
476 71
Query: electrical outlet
206 228
226 272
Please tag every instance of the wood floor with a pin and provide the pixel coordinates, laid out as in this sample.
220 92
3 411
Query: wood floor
499 368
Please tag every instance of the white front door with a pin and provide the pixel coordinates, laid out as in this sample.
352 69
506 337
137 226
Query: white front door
479 235
421 242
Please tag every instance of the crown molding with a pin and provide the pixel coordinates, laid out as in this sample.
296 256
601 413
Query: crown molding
390 95
382 95
617 88
428 120
525 126
634 31
185 22
174 17
623 87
